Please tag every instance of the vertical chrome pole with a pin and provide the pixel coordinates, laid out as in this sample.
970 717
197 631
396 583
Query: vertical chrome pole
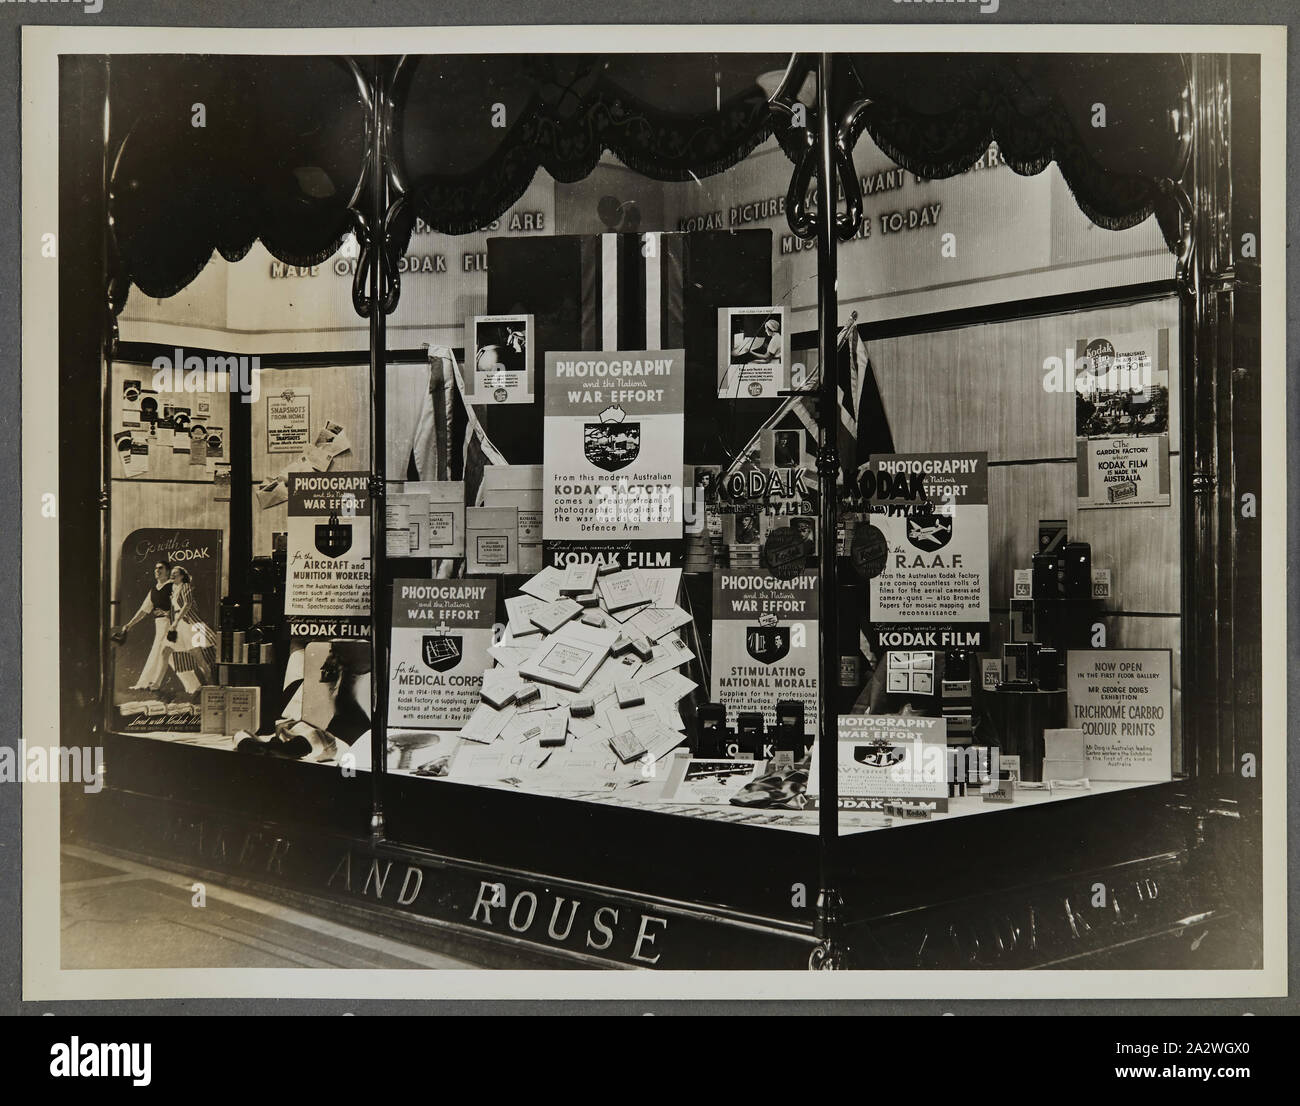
828 464
378 454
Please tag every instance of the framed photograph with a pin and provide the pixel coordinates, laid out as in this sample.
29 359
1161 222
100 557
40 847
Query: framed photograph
500 366
806 528
787 448
753 352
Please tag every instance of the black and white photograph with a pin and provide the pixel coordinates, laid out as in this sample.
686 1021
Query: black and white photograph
1043 281
806 528
787 448
754 358
503 359
707 478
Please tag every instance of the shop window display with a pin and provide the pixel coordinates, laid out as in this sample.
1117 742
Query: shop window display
514 528
602 515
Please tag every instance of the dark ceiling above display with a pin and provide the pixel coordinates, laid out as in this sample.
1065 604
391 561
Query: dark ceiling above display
215 153
1111 124
282 151
473 131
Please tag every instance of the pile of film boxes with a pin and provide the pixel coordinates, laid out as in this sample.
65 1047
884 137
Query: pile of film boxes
587 671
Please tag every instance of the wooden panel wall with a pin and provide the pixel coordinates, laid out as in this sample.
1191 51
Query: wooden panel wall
1138 544
339 393
182 495
139 503
172 493
981 388
163 463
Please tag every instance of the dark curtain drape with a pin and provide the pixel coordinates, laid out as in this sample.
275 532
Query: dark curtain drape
215 153
1108 122
281 152
474 131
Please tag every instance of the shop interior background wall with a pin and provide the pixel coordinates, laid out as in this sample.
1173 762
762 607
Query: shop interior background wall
1014 237
260 305
173 493
981 388
339 393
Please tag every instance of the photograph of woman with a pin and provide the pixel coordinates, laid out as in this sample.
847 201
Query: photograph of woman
157 605
755 344
192 641
756 362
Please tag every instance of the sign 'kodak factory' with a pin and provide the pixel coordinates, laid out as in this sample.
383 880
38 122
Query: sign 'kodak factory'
612 462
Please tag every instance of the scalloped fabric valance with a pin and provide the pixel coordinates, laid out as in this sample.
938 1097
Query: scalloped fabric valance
215 153
474 131
1108 121
279 149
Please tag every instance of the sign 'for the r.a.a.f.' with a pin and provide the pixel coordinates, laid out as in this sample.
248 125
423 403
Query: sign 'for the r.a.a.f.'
932 512
765 643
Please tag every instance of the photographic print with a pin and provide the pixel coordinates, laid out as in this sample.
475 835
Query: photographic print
294 613
503 359
754 352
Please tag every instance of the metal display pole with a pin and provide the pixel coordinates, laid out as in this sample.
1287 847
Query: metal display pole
825 155
828 465
379 436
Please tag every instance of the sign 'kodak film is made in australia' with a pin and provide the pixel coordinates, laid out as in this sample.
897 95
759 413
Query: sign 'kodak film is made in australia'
612 461
765 643
329 544
442 630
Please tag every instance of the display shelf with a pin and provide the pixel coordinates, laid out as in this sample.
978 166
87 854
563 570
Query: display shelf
712 895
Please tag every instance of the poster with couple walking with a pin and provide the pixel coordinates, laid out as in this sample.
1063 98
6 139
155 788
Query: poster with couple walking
168 583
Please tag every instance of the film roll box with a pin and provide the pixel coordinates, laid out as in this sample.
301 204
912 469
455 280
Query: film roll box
1051 535
268 679
1048 668
749 733
1047 573
519 486
1076 573
1021 621
491 540
1015 662
711 730
955 700
227 710
442 535
790 728
230 617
